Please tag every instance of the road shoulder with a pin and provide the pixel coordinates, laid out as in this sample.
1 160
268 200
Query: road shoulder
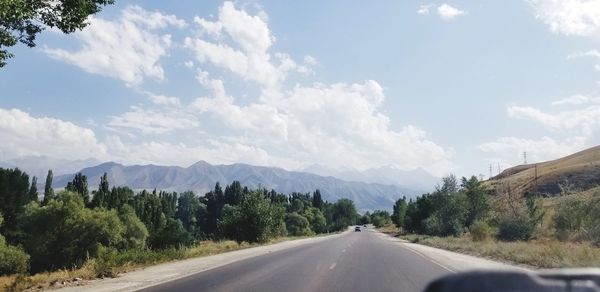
171 271
451 261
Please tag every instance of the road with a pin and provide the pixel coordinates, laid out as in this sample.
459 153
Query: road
355 261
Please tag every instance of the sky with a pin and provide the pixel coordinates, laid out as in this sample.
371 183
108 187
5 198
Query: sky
449 87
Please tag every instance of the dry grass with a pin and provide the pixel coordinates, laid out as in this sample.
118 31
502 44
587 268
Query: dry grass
581 170
537 253
123 262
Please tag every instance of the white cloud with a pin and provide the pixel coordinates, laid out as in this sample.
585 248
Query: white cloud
509 150
160 99
448 12
569 17
24 135
584 120
424 9
126 49
241 44
577 99
153 121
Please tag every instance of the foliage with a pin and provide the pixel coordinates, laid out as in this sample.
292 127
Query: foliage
365 219
399 214
477 201
341 214
297 225
48 191
381 218
14 195
480 231
315 217
171 235
515 227
65 233
13 260
135 232
79 185
579 220
21 21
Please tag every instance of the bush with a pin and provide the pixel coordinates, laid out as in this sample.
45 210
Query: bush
480 231
578 220
512 228
171 235
64 233
297 225
13 260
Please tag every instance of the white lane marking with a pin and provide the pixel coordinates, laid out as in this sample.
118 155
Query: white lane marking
428 258
332 266
344 250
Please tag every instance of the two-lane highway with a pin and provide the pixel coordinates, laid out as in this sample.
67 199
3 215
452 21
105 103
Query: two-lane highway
356 261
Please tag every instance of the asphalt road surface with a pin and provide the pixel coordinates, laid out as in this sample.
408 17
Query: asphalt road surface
356 261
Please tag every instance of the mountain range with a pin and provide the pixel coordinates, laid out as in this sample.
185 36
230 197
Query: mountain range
202 176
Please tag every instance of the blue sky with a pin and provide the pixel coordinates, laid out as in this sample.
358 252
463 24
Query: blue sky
446 86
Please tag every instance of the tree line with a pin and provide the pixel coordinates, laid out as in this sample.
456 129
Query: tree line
455 208
65 229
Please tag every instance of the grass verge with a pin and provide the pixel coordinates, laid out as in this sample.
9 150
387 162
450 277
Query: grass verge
111 263
535 253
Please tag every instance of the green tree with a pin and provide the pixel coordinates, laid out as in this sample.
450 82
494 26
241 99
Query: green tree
381 218
79 185
21 21
135 232
317 220
317 200
64 233
14 195
341 214
297 225
13 259
477 201
188 207
399 214
33 192
48 191
171 235
101 196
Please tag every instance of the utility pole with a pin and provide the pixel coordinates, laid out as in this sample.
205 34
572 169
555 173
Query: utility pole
524 157
498 167
490 171
535 180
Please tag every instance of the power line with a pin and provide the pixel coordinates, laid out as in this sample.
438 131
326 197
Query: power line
524 157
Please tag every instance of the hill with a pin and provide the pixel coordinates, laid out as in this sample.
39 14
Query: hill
202 176
578 171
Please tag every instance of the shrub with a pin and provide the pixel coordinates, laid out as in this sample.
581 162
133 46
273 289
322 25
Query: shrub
297 225
578 220
480 231
518 227
13 260
171 235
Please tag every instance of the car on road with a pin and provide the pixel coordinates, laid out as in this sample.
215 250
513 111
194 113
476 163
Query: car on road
357 229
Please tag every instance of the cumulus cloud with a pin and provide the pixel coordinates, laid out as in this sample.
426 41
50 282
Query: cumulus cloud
23 135
149 121
445 11
509 150
128 49
569 17
584 120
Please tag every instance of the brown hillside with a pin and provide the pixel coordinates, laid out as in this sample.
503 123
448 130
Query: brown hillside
579 171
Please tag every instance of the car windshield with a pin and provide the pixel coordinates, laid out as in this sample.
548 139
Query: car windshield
232 145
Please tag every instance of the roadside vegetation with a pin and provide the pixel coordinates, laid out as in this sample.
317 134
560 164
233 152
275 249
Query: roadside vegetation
523 228
77 234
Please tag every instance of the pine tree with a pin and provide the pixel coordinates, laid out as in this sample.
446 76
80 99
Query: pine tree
33 193
48 191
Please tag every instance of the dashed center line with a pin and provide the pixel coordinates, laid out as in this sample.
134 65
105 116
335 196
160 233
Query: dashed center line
332 266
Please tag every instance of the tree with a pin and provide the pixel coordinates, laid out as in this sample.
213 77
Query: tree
171 235
64 233
477 200
100 199
317 220
297 225
79 185
21 21
48 191
399 214
317 200
33 193
135 232
381 218
233 194
14 195
188 207
342 213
